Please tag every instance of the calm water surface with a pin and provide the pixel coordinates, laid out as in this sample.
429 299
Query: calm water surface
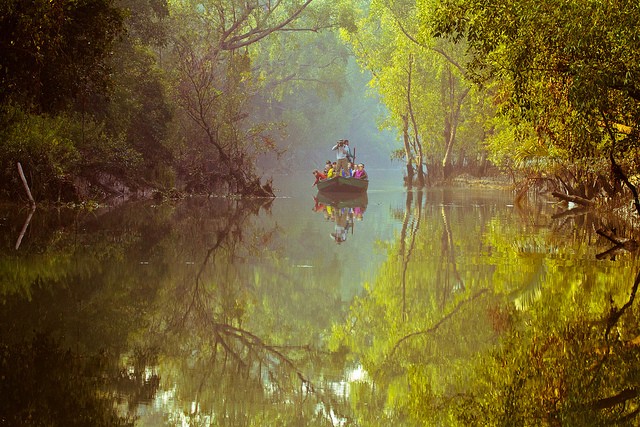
442 307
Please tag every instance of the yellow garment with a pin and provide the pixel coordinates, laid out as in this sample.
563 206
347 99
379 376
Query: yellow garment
330 173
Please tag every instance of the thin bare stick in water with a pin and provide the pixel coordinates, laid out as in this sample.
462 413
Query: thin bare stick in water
26 185
24 227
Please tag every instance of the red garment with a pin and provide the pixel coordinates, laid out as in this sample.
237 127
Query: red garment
319 176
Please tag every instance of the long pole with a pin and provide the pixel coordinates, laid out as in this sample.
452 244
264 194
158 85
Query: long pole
26 185
24 226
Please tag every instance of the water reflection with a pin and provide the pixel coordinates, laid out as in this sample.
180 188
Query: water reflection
442 307
481 322
343 210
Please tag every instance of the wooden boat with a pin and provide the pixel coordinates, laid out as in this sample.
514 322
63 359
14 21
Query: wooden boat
340 184
342 200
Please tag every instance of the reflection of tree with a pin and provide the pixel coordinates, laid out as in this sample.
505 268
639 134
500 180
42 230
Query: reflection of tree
228 341
539 335
410 226
448 266
24 227
192 299
44 384
438 324
574 372
64 303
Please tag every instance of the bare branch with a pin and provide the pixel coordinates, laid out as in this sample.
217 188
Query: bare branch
438 324
256 34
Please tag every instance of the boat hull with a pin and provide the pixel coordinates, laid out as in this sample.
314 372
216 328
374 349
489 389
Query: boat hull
343 200
339 184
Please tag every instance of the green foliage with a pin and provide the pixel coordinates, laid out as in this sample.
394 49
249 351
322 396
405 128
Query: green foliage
73 60
45 147
139 114
564 68
54 52
146 21
506 329
421 80
103 153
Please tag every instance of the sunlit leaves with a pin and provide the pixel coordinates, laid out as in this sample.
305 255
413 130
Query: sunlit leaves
421 81
569 64
522 342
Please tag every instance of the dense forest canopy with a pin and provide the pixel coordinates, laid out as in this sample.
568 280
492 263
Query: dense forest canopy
104 97
120 97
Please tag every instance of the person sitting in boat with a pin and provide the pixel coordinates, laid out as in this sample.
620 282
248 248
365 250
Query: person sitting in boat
332 170
327 166
319 176
360 173
350 169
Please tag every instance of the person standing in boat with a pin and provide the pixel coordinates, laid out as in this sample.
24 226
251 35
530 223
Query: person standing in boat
350 156
343 152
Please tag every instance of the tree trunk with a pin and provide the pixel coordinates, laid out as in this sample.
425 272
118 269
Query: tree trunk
451 122
622 397
407 150
417 145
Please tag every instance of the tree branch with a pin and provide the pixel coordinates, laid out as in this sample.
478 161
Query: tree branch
256 34
438 324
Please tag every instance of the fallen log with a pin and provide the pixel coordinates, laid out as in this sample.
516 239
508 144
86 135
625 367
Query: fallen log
575 199
626 244
570 212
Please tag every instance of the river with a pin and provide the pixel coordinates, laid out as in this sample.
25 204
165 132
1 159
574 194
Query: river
450 306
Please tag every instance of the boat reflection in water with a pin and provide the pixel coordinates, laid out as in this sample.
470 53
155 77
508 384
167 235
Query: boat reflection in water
343 209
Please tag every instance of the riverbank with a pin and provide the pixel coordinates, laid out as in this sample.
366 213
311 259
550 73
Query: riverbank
499 182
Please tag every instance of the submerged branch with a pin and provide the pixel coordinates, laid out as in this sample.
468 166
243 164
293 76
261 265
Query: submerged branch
615 314
622 397
575 199
253 343
439 323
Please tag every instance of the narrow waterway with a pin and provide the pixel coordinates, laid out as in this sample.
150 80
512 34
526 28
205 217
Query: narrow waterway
438 306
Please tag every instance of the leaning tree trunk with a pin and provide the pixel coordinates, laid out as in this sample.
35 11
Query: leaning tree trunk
451 123
417 146
407 150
